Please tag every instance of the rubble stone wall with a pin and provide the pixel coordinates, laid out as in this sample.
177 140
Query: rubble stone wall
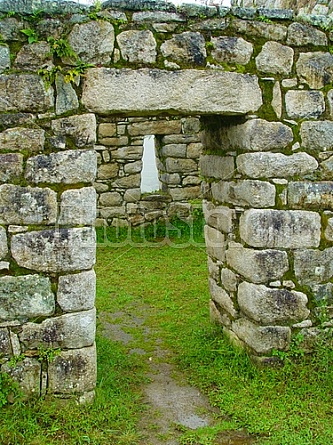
79 89
118 183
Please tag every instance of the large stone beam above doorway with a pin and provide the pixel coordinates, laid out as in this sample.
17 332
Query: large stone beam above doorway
108 90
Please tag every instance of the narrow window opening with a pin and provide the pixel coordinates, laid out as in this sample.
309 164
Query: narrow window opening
149 174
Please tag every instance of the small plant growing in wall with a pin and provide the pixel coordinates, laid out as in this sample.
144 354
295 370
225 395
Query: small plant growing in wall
8 389
31 35
47 354
61 48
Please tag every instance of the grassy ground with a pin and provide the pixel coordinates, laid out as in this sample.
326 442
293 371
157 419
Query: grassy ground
288 406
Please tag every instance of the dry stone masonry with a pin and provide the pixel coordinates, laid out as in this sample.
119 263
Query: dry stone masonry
246 89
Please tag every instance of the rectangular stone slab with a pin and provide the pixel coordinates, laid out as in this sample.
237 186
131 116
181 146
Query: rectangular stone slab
108 90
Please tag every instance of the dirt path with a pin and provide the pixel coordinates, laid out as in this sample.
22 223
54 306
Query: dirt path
172 405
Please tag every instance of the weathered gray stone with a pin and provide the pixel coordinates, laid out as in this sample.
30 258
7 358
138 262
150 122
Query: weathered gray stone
216 317
170 178
290 229
213 91
107 129
257 135
219 217
3 243
157 16
218 167
270 165
330 102
78 207
310 195
130 153
269 306
4 58
179 209
114 212
108 171
187 47
73 371
215 243
82 128
68 331
174 150
313 266
275 58
27 205
27 374
277 100
178 165
317 135
329 230
50 27
262 339
229 280
315 69
194 150
24 92
10 29
269 31
30 7
137 46
131 181
62 250
69 167
213 269
300 34
132 195
327 167
279 10
221 297
191 180
133 167
110 199
5 344
257 266
93 42
231 50
304 104
77 292
66 96
11 166
245 193
191 125
185 193
25 297
34 56
25 139
154 127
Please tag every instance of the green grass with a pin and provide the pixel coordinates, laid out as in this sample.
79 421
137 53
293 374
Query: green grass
167 281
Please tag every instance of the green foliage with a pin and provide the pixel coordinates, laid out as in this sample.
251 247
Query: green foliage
70 75
295 351
61 48
93 14
8 389
49 75
47 354
31 34
175 231
264 19
15 360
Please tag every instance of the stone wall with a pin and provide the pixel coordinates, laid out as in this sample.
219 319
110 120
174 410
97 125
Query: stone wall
80 87
120 149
